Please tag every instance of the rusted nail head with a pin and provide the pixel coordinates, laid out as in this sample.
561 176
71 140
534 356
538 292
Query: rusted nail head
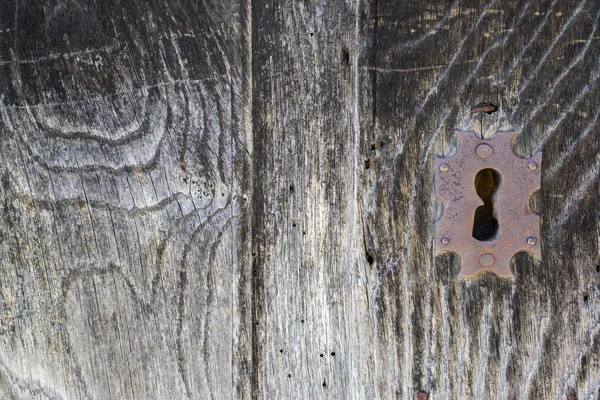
484 150
484 107
487 260
444 167
532 166
422 396
445 240
531 241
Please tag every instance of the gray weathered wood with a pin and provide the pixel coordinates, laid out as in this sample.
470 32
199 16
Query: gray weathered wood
225 199
124 134
309 300
535 337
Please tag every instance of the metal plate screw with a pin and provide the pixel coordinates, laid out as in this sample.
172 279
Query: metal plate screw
484 150
444 167
487 260
531 241
445 240
532 166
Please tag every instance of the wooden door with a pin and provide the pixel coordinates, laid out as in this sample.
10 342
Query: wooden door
235 199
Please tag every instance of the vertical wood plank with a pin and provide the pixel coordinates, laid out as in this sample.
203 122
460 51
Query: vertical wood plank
124 168
310 296
427 65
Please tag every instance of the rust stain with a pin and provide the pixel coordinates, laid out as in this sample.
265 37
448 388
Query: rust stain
518 225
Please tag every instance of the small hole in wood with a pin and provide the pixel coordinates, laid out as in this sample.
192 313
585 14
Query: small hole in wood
311 34
345 57
292 188
333 353
373 146
321 355
324 384
598 268
370 258
585 298
289 375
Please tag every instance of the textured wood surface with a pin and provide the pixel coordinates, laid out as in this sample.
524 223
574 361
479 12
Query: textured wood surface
226 199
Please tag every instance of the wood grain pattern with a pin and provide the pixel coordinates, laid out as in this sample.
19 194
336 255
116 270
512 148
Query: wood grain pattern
124 137
537 336
224 199
307 278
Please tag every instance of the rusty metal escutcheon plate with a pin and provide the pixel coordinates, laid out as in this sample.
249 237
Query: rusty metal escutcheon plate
518 225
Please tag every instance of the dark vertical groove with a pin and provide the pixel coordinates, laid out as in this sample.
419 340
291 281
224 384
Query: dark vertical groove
245 369
374 61
260 97
257 288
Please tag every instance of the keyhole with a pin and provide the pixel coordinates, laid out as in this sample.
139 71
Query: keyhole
485 224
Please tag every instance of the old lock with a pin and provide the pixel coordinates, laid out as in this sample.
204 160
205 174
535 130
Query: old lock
485 190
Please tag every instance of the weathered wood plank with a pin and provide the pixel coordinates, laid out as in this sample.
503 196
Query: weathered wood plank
309 300
536 336
124 195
